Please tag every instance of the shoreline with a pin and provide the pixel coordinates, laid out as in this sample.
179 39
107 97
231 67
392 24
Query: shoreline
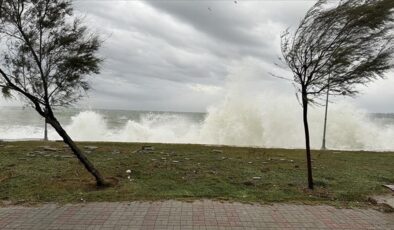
200 144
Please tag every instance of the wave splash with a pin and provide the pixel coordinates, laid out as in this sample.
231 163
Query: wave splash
275 123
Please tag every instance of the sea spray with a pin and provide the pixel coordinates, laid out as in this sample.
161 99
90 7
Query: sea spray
162 127
268 122
89 126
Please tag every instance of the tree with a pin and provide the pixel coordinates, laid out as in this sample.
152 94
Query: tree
338 48
48 54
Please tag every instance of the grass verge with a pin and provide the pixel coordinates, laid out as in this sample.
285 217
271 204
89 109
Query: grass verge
31 174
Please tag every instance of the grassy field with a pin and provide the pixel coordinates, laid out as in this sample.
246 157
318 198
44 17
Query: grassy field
31 174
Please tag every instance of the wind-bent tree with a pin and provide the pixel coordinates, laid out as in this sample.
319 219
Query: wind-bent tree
47 55
338 48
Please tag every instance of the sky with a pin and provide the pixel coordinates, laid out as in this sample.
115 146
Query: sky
180 55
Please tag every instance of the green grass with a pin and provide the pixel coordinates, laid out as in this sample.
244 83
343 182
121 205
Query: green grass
341 178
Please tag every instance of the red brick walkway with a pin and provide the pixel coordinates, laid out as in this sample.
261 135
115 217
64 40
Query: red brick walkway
197 215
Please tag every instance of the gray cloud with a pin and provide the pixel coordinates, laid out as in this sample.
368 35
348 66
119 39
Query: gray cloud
178 55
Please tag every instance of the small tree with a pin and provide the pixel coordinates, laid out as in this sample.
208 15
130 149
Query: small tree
338 48
47 55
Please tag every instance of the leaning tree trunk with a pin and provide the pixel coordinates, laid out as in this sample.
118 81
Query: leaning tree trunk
76 151
45 130
307 143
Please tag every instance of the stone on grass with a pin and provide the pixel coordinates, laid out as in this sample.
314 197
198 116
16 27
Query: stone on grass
389 186
48 148
257 178
114 152
147 148
66 156
91 148
386 202
217 151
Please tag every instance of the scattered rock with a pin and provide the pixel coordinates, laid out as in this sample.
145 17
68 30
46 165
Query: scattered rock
66 156
282 159
224 158
175 161
47 148
147 148
91 148
257 178
386 202
217 151
187 158
114 152
250 162
389 186
163 158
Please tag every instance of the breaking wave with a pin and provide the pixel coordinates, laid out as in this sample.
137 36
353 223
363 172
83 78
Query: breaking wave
276 122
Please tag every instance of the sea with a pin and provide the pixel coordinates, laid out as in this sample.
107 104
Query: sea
226 124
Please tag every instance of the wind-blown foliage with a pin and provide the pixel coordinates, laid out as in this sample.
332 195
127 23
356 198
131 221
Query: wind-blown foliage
47 55
339 47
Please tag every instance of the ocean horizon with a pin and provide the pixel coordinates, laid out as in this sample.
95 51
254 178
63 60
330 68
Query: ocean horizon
370 131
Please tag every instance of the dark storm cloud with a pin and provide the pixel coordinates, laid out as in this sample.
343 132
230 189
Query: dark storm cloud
178 55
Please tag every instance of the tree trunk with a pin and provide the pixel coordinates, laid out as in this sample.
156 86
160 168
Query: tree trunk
46 130
307 142
77 152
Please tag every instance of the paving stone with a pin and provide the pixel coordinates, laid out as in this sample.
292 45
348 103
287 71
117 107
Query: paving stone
203 214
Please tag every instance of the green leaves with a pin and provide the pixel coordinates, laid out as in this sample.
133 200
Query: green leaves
49 52
6 91
352 42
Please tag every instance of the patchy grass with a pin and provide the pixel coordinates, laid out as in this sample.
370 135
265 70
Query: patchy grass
30 174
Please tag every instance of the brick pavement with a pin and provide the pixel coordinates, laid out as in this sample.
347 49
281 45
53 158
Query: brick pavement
203 214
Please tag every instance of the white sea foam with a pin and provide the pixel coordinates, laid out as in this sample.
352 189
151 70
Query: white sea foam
275 123
250 114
